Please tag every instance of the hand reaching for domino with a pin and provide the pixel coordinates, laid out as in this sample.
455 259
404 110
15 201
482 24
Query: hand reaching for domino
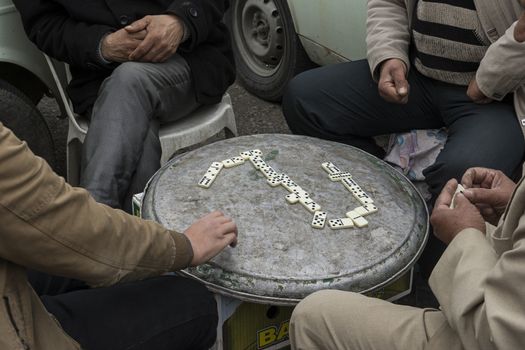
459 189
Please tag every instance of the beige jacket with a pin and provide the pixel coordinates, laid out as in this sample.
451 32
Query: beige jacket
480 281
502 70
51 227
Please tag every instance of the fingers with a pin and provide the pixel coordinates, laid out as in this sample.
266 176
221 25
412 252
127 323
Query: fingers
224 219
139 25
469 177
393 86
141 50
231 240
462 202
228 227
153 50
228 231
445 197
140 35
387 90
400 82
475 93
158 54
477 176
479 195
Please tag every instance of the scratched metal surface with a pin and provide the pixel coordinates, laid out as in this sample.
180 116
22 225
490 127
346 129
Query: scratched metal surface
280 257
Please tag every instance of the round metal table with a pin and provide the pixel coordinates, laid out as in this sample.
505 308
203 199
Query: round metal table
280 258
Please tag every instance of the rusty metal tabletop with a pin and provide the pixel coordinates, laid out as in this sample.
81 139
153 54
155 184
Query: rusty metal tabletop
280 258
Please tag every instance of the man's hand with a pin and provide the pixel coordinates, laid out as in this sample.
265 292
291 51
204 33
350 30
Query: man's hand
209 235
447 223
475 94
164 34
393 85
117 46
519 29
490 190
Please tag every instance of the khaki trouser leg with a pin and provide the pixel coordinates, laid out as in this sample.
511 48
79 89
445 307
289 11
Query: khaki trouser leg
342 320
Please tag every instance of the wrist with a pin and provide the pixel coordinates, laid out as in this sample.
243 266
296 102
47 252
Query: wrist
181 26
393 63
102 52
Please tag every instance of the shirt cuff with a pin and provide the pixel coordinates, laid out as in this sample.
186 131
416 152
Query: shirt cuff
186 32
101 60
183 251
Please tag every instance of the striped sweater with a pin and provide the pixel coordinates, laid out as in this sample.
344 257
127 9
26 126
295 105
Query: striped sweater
448 40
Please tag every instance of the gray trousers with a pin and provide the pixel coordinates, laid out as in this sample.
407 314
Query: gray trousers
122 148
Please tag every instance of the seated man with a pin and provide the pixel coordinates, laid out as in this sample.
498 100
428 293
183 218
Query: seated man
134 65
51 227
478 281
438 64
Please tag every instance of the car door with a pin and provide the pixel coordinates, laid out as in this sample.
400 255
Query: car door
331 31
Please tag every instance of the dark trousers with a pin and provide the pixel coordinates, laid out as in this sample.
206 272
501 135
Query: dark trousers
341 103
166 312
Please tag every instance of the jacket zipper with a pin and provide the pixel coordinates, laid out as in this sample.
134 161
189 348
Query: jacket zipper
12 319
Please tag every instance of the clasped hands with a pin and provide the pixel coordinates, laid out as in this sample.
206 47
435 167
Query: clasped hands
486 196
393 85
150 39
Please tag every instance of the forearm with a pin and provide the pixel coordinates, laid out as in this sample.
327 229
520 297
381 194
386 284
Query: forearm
388 33
501 71
199 18
52 227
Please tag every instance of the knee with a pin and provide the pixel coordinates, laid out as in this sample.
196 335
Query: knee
312 312
316 320
306 316
308 309
129 76
299 89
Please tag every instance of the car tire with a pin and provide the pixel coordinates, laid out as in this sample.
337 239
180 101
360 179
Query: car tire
268 52
19 114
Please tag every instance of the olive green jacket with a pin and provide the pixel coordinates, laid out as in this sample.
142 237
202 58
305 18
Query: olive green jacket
49 226
501 71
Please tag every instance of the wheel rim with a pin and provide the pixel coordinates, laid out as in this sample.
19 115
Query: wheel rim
259 33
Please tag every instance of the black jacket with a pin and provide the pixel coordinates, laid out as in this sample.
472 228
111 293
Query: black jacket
70 31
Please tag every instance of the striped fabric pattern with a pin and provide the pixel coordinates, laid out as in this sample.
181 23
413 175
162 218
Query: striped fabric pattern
448 39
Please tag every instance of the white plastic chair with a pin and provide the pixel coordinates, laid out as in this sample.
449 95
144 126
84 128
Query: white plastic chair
197 127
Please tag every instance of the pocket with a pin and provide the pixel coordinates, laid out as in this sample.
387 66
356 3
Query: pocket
13 324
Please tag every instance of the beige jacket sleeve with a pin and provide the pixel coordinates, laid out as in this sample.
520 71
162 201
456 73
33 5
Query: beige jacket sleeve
49 226
502 71
481 295
387 33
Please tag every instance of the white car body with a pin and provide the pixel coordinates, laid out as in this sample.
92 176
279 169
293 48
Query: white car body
330 31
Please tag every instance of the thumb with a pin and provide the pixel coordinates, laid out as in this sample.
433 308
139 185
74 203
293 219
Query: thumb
461 201
137 26
400 81
479 195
